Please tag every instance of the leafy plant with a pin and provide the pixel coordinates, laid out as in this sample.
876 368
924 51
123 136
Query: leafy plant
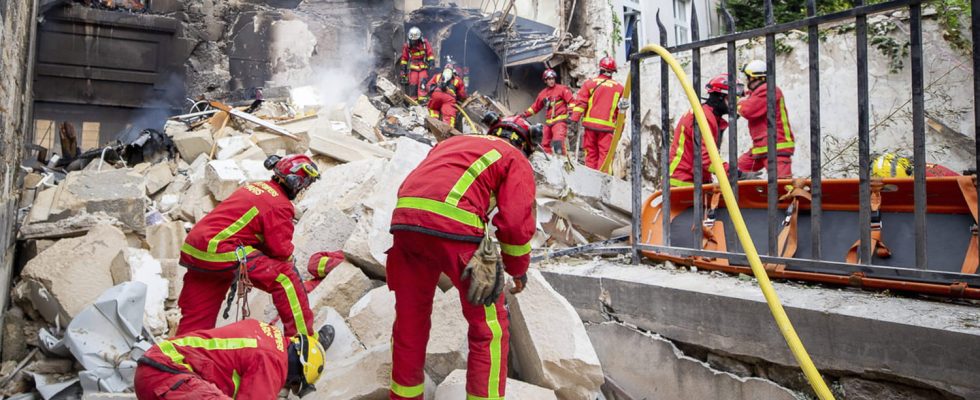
617 32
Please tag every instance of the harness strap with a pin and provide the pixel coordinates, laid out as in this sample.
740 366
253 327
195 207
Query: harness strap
968 186
712 230
789 234
877 246
240 285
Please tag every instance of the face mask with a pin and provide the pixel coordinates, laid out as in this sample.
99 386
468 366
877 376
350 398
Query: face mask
447 74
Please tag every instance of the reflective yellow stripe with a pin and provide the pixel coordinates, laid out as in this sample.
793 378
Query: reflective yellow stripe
558 118
615 103
680 183
287 286
599 122
321 267
407 391
433 113
212 257
237 381
515 250
232 229
578 109
493 386
530 111
786 129
470 175
779 146
610 123
680 151
168 349
475 397
446 210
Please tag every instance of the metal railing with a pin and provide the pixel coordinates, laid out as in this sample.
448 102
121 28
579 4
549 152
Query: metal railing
811 23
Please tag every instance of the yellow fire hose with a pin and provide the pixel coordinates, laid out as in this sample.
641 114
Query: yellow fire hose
620 122
785 326
467 117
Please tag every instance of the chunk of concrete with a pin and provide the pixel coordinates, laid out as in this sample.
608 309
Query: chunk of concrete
173 272
165 239
389 90
193 144
231 146
341 289
357 248
72 273
254 170
344 147
365 376
223 178
454 387
366 111
14 347
158 176
344 186
146 269
252 153
676 376
108 396
448 346
372 316
560 359
321 228
271 143
364 129
196 202
345 343
119 193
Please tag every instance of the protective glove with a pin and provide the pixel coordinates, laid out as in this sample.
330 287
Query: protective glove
404 79
424 86
520 282
325 336
486 274
624 104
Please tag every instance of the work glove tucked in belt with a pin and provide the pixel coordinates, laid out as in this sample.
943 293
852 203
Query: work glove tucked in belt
486 274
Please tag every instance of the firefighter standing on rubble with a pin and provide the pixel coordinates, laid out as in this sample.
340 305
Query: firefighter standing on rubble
753 109
682 150
440 221
415 63
446 89
250 231
556 98
597 105
245 360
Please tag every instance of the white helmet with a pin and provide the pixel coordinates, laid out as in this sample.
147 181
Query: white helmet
755 69
415 33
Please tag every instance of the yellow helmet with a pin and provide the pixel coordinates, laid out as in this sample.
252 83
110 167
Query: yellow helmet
311 358
891 166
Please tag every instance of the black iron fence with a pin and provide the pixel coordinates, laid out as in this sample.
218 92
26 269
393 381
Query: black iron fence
811 23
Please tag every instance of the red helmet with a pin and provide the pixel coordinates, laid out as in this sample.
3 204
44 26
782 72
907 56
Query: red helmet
295 172
719 84
549 73
607 64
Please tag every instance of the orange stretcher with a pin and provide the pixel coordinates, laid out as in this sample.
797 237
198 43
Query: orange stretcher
951 233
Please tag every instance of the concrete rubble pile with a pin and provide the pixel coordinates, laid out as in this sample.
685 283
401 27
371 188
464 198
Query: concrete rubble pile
88 233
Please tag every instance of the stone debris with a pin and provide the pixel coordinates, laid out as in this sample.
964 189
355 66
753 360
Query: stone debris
165 239
341 289
372 316
158 177
365 376
560 359
345 343
454 387
448 346
321 227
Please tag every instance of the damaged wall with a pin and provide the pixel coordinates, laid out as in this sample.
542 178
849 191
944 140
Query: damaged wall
15 102
949 117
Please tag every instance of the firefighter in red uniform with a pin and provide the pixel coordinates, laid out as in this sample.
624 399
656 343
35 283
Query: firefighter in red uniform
753 109
440 220
245 360
254 225
556 99
446 89
682 151
597 105
416 60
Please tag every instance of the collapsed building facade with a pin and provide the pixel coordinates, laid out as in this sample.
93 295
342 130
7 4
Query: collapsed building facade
660 331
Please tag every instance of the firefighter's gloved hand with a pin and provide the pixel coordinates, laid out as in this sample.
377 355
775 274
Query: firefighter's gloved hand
325 336
624 104
404 79
520 282
485 272
424 86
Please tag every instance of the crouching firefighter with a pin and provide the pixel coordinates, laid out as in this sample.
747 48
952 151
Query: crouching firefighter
446 90
440 225
247 241
244 360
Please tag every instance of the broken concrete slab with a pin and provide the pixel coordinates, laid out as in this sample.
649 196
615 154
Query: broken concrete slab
223 178
70 227
165 239
365 376
119 193
173 272
366 111
341 289
252 153
439 129
72 273
193 144
321 228
364 129
254 170
372 316
560 359
389 90
344 148
231 146
14 347
344 186
357 248
676 376
454 387
448 346
196 202
271 143
345 343
158 176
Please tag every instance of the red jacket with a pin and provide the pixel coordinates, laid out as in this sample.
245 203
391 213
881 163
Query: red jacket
598 99
417 58
450 192
245 360
455 88
556 99
258 216
682 148
753 109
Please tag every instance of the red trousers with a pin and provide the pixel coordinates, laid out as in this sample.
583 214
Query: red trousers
202 298
414 264
596 146
554 138
748 162
154 384
444 105
415 81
